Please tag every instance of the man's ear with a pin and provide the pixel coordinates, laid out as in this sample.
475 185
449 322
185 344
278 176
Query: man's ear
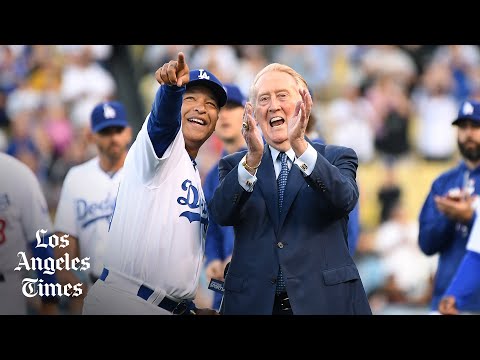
90 136
128 129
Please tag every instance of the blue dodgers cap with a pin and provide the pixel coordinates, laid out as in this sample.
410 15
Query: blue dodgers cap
206 78
469 110
235 95
106 114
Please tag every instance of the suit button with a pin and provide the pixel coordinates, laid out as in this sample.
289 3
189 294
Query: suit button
280 245
273 281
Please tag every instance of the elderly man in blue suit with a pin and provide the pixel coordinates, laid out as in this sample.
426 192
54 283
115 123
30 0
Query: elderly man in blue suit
288 201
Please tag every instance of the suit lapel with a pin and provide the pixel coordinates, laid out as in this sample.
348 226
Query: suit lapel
294 183
267 183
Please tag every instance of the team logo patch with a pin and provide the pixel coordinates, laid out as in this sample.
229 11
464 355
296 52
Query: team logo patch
109 112
467 109
203 75
89 212
193 201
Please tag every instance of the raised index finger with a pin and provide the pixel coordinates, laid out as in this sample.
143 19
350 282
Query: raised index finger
181 59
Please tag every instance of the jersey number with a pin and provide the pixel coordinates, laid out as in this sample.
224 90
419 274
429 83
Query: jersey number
3 237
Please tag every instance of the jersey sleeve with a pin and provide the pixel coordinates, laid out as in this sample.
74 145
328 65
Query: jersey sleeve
473 243
142 160
35 214
436 230
465 283
65 214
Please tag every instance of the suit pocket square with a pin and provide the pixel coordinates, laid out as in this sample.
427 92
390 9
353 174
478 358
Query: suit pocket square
340 275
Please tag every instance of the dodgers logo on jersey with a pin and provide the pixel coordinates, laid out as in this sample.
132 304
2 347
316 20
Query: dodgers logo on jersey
203 75
90 212
193 201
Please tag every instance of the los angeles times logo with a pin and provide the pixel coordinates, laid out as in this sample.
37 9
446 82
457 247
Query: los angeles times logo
33 287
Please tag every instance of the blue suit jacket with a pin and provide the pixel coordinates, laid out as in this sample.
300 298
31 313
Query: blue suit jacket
309 238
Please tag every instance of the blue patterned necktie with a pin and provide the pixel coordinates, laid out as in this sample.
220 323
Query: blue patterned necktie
281 182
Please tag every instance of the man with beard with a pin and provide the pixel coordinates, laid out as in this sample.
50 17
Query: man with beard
88 196
448 213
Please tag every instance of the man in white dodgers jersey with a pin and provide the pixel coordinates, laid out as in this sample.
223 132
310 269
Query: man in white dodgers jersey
88 197
466 280
23 211
156 240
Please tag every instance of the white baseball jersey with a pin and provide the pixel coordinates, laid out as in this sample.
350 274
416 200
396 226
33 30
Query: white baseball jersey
473 243
85 208
23 211
158 229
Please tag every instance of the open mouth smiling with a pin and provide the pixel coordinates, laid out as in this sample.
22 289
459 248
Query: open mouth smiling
197 121
276 121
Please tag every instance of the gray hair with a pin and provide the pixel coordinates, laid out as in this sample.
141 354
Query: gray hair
302 84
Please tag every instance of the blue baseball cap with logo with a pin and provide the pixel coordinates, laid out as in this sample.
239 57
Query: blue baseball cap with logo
207 79
235 95
106 114
469 110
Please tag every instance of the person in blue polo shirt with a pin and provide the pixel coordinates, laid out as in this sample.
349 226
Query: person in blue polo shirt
448 213
219 242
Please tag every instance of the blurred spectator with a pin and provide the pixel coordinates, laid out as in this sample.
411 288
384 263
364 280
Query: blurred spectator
463 62
351 121
389 61
46 69
435 108
84 84
388 194
4 119
3 141
420 54
313 62
392 107
252 61
221 60
154 56
408 274
57 125
21 143
14 66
